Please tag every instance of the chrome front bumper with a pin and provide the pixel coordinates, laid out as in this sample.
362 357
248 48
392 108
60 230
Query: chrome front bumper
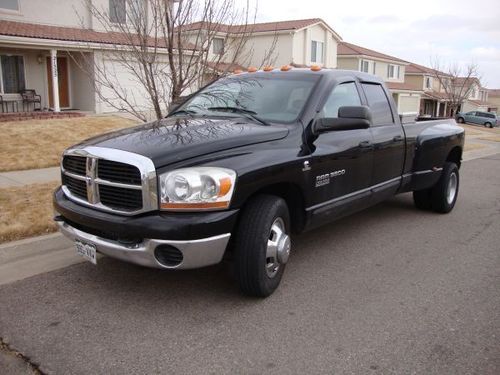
196 253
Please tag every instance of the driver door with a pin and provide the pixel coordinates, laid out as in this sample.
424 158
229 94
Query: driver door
342 161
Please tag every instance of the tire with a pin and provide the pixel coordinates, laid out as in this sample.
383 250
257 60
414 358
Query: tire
257 274
422 199
460 120
444 194
488 125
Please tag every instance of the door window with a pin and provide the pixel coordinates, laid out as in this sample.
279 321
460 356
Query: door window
345 94
379 104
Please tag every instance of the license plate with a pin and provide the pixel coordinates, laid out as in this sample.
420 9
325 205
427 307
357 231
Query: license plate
86 250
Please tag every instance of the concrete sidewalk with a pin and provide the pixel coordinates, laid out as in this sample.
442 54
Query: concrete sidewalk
30 176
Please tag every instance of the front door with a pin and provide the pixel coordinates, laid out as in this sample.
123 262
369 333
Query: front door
63 78
341 162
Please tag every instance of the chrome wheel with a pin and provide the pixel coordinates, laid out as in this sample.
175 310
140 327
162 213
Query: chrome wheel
451 190
278 247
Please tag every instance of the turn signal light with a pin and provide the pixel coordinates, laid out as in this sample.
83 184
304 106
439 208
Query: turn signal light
238 71
252 69
315 68
268 68
285 68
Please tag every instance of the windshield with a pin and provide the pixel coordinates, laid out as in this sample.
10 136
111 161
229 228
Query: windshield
269 97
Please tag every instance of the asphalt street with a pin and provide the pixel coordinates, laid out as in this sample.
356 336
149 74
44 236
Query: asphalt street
389 290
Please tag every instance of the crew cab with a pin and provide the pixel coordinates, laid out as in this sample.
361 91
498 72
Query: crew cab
244 163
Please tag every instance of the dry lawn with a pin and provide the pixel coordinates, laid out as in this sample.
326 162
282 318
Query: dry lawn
36 144
26 211
492 138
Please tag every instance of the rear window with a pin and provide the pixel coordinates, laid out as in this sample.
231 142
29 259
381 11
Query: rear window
379 104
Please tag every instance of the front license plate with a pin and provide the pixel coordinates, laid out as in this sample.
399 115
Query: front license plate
86 250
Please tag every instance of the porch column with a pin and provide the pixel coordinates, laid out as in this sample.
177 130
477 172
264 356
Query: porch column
445 109
55 80
437 108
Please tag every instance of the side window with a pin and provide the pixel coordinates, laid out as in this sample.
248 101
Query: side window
344 94
379 104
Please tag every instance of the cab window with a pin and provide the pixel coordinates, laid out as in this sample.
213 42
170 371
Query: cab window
345 94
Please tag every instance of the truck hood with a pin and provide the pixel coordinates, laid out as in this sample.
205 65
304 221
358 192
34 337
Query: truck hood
175 139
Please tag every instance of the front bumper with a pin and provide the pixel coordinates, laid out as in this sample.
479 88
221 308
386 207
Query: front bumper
201 238
195 253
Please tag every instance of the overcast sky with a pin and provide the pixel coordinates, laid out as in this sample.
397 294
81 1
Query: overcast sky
460 31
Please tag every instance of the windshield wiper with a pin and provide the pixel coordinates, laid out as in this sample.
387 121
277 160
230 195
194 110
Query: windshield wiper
243 111
189 112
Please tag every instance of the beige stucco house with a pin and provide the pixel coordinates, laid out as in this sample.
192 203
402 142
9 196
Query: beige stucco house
389 68
298 42
434 100
494 100
36 38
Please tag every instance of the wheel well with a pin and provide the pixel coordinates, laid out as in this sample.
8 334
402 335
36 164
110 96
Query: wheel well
294 199
455 156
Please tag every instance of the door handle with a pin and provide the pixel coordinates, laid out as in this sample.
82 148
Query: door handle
365 144
397 138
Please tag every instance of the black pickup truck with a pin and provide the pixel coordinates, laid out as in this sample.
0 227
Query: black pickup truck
246 162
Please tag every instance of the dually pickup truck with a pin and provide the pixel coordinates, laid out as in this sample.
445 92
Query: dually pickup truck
244 163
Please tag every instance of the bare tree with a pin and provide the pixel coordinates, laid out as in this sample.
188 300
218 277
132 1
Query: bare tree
457 82
166 48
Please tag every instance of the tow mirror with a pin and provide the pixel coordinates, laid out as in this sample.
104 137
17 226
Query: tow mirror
349 118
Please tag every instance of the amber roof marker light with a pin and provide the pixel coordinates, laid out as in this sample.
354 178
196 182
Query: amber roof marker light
252 69
285 68
237 71
268 68
315 68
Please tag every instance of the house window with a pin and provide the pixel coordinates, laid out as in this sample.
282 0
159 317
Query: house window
393 71
365 66
218 46
136 11
368 66
317 52
10 5
117 11
12 69
428 82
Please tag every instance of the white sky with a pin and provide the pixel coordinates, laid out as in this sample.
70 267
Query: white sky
461 31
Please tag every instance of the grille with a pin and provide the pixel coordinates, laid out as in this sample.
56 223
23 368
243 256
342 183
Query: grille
76 187
120 198
118 172
109 185
75 164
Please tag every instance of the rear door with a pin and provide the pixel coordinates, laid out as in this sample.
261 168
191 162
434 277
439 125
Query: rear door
388 141
470 117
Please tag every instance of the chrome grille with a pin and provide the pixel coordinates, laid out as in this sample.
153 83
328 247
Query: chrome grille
98 177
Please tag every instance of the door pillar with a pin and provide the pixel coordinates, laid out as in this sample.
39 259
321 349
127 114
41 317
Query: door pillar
55 80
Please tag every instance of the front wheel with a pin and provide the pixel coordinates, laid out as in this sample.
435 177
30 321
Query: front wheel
460 120
262 245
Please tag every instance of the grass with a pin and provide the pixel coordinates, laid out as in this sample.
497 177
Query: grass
491 138
26 211
473 146
36 144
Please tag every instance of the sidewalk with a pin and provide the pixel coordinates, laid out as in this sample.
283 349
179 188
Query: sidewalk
30 176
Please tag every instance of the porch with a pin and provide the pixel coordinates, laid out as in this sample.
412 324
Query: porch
55 77
434 105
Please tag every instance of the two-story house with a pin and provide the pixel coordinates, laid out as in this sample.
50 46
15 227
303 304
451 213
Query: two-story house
52 46
477 97
494 99
297 42
434 98
389 68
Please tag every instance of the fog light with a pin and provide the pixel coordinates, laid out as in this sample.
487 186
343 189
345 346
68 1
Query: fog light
168 256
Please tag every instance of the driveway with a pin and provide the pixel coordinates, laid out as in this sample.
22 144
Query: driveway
389 290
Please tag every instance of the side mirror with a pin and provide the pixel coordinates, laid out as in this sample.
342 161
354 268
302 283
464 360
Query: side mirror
349 118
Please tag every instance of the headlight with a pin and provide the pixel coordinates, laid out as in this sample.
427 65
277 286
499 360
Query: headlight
198 188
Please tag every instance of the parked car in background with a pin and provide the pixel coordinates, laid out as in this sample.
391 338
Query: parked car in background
488 119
